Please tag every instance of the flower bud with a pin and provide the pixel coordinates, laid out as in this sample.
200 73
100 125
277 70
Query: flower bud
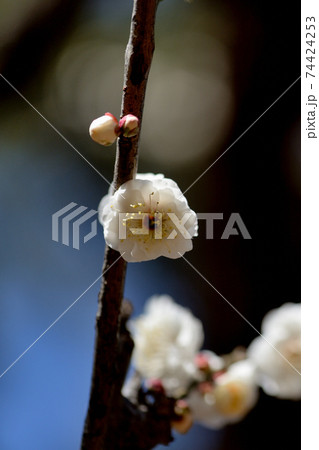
202 362
129 125
184 418
155 384
205 387
105 129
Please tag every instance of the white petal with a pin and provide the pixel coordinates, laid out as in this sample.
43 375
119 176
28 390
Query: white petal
152 194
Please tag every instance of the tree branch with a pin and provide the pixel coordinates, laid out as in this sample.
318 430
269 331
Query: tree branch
106 379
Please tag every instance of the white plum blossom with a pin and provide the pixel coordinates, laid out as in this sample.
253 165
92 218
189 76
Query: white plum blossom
167 338
148 217
281 328
227 399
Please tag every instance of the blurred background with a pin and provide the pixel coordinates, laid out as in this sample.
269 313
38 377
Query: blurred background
217 67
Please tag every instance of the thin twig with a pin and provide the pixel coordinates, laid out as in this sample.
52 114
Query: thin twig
106 378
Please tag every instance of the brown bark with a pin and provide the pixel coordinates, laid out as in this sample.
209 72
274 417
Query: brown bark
112 421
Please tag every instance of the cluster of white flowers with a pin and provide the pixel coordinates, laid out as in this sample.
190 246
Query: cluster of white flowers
167 342
167 338
148 217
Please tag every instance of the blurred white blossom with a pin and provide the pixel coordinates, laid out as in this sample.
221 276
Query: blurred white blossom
148 217
226 399
282 329
167 338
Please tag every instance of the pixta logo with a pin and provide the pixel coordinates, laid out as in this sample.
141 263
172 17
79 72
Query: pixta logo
62 221
152 225
68 231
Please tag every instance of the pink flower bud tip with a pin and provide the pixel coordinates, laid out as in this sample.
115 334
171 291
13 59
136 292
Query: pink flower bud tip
155 384
184 419
201 361
129 125
105 129
205 387
218 374
181 406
